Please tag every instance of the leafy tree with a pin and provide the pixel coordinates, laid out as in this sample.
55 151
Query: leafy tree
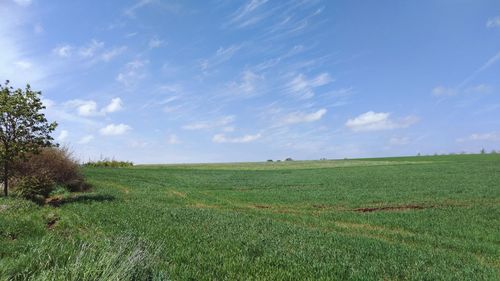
23 127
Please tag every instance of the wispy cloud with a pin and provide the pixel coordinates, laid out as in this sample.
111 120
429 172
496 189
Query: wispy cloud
63 135
173 139
442 91
131 11
302 87
378 121
132 73
112 53
493 22
205 125
490 62
222 55
24 3
491 136
301 117
245 15
155 42
91 48
86 139
221 138
63 51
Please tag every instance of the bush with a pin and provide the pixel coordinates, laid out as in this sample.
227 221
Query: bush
52 163
35 188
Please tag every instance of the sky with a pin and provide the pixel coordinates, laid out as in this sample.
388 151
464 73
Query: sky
157 81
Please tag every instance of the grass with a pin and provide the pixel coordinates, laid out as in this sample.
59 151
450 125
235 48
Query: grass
413 218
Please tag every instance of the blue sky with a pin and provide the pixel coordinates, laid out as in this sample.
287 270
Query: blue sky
156 81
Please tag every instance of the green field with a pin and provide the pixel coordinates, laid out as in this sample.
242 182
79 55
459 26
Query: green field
414 218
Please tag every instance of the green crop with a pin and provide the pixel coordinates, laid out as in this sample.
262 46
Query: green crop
413 218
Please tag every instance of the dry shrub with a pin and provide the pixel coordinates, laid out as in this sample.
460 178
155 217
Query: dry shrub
54 163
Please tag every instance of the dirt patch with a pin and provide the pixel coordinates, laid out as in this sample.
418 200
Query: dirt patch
54 201
175 193
262 206
51 223
392 208
203 206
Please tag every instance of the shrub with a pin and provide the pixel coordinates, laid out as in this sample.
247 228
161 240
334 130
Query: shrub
35 188
56 164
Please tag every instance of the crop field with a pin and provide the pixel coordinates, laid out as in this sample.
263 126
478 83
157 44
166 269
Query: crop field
411 218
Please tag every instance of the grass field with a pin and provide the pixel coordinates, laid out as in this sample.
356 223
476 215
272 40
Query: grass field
414 218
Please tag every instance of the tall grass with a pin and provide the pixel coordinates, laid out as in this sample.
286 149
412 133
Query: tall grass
54 258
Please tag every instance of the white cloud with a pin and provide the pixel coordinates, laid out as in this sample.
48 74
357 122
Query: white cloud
90 50
301 117
113 106
221 138
24 3
86 139
222 55
64 51
62 136
247 85
492 136
24 65
110 54
373 121
88 108
441 91
303 87
243 16
130 11
84 107
479 89
493 22
222 122
490 62
115 129
155 42
132 73
173 139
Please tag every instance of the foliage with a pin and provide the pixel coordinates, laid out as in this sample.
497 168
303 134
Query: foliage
34 187
267 221
23 127
108 164
56 163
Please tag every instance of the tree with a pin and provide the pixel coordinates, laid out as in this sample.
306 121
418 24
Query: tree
23 127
